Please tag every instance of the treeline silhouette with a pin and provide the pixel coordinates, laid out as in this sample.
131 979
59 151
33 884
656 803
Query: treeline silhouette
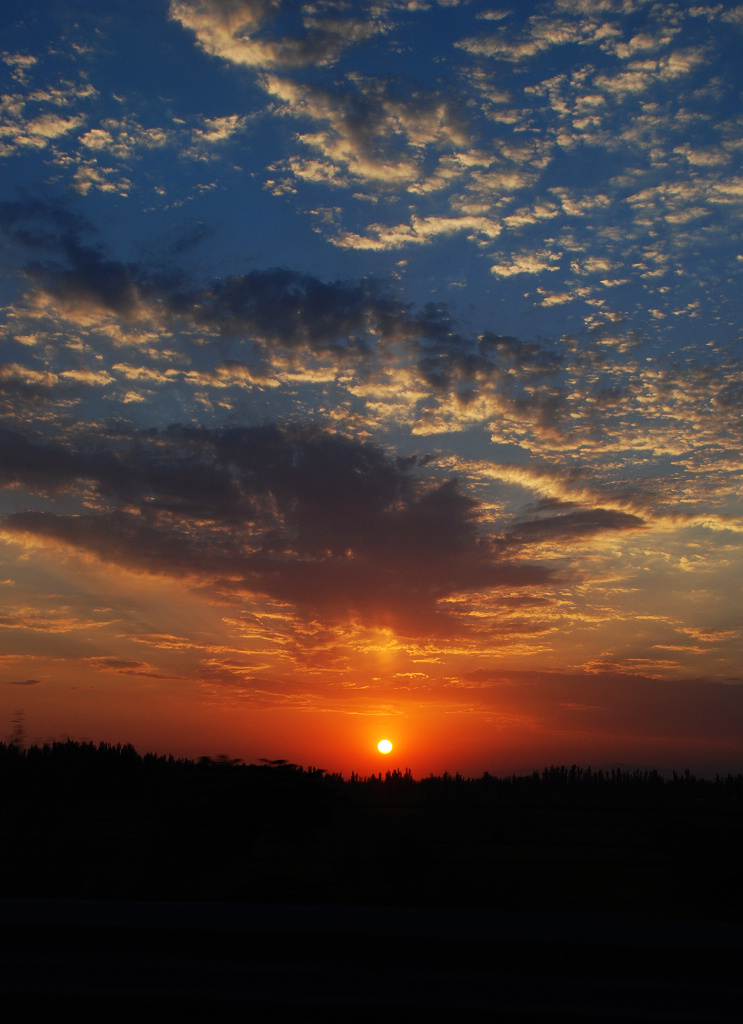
103 821
78 770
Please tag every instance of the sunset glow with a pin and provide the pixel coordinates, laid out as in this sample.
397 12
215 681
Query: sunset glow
384 746
374 370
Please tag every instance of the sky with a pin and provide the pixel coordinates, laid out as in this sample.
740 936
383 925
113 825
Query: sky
373 370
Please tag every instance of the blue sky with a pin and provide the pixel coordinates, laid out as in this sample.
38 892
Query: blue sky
359 361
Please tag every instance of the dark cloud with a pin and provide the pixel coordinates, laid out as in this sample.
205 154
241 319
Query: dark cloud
297 513
67 268
35 225
191 238
574 526
23 682
730 396
619 703
125 666
125 470
43 467
552 504
90 280
276 307
450 362
283 307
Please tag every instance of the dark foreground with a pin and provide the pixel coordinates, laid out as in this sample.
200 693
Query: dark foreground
131 886
84 822
118 961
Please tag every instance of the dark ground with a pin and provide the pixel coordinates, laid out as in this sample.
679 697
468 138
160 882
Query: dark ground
82 822
562 896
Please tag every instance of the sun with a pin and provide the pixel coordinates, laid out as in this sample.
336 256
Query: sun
384 746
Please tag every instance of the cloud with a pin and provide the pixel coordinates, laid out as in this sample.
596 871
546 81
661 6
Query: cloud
492 357
641 75
121 138
273 310
541 33
23 682
280 306
386 362
277 306
90 148
528 263
24 387
53 621
84 277
298 514
420 231
734 16
125 666
51 468
19 63
373 130
610 702
277 33
573 527
33 119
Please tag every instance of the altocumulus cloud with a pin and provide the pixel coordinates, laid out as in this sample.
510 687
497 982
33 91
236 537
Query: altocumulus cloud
277 33
268 311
